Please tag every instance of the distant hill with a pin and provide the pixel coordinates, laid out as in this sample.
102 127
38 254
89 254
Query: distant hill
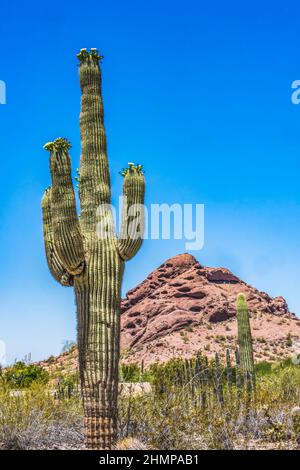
183 307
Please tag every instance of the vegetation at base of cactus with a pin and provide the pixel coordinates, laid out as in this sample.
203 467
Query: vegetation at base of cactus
175 419
78 256
245 339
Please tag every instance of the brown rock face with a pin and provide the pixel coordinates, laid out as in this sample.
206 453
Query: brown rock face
172 310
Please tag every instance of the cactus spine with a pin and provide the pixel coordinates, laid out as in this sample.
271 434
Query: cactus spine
245 339
78 255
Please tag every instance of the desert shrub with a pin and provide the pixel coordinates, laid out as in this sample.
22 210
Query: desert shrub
160 423
67 386
181 414
130 372
289 340
21 375
51 359
188 373
134 373
176 412
34 419
174 420
68 346
263 368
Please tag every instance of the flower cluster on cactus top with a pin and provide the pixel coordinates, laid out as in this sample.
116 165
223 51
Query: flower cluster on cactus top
94 54
132 169
58 144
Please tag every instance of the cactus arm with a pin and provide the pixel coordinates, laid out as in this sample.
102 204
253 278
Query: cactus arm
55 266
94 187
66 231
132 226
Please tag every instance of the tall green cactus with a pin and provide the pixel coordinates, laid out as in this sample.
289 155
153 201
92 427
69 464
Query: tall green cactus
229 372
88 256
245 338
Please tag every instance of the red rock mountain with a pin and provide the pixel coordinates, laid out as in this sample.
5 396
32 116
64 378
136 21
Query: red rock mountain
182 307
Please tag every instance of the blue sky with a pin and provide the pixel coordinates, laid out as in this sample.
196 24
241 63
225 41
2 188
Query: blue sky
200 93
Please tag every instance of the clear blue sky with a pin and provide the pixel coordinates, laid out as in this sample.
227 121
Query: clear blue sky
197 91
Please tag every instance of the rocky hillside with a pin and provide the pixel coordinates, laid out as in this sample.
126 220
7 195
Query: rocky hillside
183 307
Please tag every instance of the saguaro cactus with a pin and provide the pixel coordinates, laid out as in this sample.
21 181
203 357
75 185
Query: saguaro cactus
229 372
245 338
84 252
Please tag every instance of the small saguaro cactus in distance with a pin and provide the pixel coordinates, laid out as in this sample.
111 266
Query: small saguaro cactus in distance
245 339
218 379
229 372
89 259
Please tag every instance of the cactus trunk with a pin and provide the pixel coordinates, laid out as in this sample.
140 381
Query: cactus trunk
97 294
86 253
245 339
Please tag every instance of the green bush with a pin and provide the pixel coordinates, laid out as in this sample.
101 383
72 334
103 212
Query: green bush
130 373
22 375
263 368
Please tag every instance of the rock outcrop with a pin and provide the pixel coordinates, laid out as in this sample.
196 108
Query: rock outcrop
183 307
168 312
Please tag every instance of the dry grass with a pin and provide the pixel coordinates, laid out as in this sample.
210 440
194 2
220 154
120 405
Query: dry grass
175 421
36 420
171 420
